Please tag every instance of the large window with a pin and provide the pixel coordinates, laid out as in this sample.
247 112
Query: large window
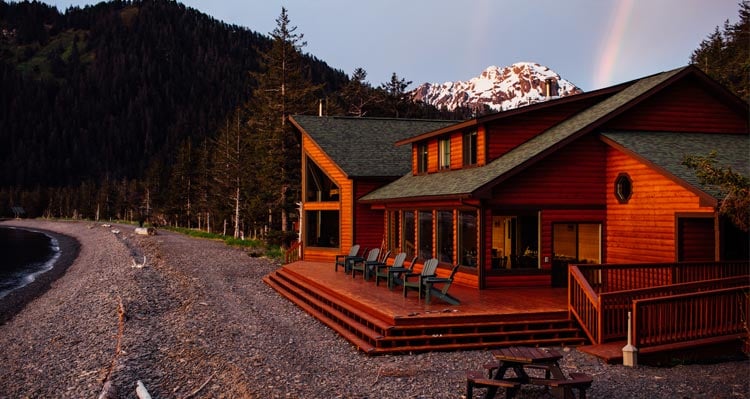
470 148
444 156
422 157
515 241
408 233
445 236
467 237
318 186
425 234
322 228
576 242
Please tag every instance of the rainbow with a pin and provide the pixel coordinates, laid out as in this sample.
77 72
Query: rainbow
612 43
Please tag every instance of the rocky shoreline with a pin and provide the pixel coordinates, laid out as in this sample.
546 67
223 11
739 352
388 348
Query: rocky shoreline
198 322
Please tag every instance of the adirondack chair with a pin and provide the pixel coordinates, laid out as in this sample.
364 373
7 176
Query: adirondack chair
343 260
428 285
382 262
382 270
395 273
428 270
363 264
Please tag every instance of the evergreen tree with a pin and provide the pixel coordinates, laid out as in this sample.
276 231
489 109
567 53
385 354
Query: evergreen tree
725 54
396 97
283 88
358 95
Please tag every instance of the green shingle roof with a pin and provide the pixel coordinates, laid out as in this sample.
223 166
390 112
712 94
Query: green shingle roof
465 182
365 147
668 150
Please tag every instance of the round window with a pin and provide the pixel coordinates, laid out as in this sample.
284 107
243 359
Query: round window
623 188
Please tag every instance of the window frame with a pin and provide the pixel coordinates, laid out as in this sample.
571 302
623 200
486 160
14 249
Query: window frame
423 158
444 153
470 148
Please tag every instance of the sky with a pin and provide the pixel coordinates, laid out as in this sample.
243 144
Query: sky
591 43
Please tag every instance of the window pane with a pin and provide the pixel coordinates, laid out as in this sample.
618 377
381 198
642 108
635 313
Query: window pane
322 228
589 243
318 187
470 148
408 232
564 243
445 153
425 235
422 158
467 237
445 236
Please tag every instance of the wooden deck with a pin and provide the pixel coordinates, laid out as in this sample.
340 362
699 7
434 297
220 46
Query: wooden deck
378 320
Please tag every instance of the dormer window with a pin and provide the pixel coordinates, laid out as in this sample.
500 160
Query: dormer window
470 148
422 157
444 155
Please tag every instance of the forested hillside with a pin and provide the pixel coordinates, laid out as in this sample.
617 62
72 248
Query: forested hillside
103 91
101 95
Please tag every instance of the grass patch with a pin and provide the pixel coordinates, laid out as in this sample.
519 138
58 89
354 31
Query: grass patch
253 247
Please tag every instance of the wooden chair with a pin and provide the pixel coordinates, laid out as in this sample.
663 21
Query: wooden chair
428 284
395 273
344 259
363 264
428 270
382 270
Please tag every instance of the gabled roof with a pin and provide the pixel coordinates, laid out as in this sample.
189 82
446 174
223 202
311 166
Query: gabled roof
667 150
364 147
471 182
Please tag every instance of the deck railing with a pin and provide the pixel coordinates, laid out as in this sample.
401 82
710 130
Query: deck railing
293 253
616 305
584 304
599 296
622 277
696 316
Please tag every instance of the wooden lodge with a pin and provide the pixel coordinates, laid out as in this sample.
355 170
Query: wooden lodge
527 199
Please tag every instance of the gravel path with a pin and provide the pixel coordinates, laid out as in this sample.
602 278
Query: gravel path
200 323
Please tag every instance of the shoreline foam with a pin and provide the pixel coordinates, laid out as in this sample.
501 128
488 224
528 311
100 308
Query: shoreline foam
39 282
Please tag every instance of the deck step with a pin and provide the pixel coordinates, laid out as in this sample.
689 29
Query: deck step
374 335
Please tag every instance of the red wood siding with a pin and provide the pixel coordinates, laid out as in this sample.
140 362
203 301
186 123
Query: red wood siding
481 146
683 107
369 232
643 230
573 176
511 132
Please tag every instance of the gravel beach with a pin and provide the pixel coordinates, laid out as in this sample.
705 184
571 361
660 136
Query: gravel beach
196 321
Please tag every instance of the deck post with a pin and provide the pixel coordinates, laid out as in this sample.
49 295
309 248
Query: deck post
629 352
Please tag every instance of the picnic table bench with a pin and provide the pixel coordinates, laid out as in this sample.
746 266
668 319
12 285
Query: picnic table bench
519 359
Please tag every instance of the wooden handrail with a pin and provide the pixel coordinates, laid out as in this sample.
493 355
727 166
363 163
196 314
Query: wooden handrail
584 304
622 277
293 253
690 317
600 296
616 305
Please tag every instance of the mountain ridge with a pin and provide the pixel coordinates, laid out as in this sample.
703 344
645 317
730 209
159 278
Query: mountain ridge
498 88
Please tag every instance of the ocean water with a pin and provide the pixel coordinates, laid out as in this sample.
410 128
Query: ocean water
24 254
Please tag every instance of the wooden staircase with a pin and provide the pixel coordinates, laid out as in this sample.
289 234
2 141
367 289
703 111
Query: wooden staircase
375 331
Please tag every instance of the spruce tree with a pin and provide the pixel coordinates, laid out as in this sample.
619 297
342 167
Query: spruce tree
283 88
725 54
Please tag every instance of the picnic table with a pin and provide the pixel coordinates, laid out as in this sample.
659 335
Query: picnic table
520 359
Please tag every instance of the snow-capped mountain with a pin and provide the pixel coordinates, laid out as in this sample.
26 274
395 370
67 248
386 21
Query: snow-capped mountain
513 86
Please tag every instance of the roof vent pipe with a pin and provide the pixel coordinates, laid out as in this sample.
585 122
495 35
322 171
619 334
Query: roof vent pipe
320 107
